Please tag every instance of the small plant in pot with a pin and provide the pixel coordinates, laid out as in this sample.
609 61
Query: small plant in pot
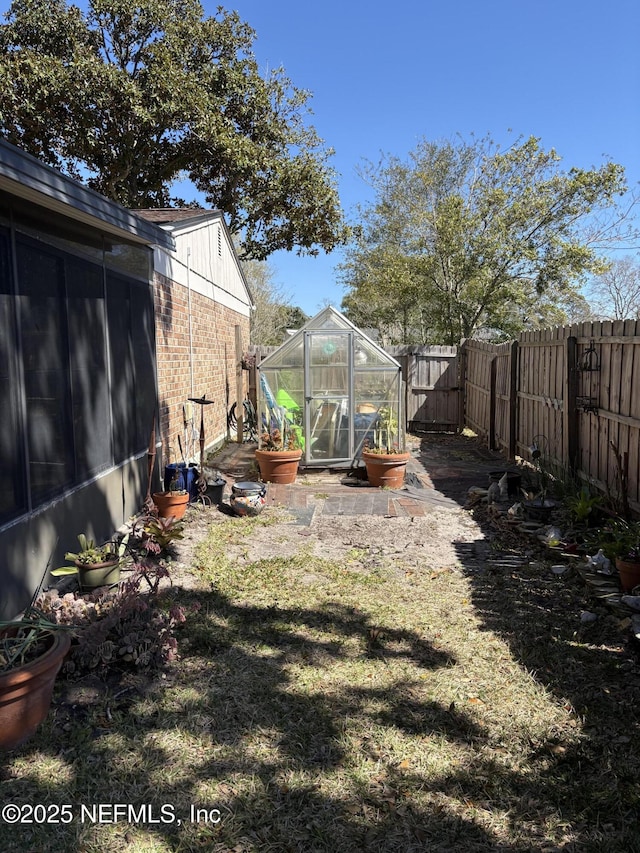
384 455
620 541
95 565
32 650
279 454
173 502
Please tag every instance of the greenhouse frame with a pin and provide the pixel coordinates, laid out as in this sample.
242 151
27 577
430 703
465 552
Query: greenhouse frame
334 389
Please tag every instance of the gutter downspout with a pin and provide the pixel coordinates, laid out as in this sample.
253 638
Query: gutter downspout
190 319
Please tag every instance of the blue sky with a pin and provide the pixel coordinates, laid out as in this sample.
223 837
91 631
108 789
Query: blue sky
385 75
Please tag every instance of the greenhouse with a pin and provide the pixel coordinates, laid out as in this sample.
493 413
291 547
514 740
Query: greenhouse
333 390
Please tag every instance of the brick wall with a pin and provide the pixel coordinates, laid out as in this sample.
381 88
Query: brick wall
214 363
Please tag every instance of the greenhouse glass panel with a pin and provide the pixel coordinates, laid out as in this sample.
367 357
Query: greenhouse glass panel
333 388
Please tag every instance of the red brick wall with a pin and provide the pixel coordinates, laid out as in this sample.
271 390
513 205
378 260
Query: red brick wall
214 362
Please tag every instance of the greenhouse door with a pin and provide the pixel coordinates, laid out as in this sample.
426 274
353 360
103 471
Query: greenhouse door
328 394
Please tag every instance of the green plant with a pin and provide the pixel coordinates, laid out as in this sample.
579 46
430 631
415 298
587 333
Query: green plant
582 505
617 538
26 639
151 534
91 554
385 434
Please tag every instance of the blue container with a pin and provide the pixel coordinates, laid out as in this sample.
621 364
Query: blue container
187 478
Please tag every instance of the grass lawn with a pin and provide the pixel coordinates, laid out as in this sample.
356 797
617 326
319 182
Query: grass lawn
352 704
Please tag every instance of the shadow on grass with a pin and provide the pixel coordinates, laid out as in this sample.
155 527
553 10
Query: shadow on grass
592 671
242 739
231 729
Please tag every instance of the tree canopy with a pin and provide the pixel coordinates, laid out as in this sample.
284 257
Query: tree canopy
464 236
133 97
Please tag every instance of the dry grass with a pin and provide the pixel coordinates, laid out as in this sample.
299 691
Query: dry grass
354 705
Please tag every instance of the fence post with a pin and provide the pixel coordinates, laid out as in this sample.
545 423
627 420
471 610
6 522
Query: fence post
570 409
492 403
462 386
513 401
239 385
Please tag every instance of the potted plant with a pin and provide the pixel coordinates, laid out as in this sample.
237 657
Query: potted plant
620 541
32 650
172 503
95 565
384 457
279 454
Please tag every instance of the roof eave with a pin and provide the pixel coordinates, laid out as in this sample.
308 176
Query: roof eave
25 176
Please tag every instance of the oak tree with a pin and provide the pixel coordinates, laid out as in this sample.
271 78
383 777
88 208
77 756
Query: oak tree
131 98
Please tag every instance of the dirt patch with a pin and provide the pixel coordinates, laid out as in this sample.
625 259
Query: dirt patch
428 542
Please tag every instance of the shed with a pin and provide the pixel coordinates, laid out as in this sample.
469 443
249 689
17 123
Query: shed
336 388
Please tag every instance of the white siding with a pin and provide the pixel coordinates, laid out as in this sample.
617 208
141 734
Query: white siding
204 260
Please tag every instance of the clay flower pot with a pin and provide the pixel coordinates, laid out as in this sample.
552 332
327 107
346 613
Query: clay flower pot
385 469
629 572
171 504
25 692
278 466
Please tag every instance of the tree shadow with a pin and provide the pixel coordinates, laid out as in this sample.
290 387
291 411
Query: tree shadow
591 670
242 659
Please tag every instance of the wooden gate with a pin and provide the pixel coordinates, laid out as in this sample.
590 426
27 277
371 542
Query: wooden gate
433 388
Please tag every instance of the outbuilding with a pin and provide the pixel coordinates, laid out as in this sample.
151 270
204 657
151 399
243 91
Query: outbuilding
337 388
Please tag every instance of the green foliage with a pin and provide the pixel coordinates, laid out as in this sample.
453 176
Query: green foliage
618 538
465 236
123 627
272 312
582 505
24 640
155 535
140 96
89 554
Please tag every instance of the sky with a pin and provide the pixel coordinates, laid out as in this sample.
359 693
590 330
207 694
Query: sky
383 76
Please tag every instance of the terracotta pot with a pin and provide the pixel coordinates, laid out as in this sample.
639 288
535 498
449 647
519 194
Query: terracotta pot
278 466
93 575
171 504
629 571
385 469
25 692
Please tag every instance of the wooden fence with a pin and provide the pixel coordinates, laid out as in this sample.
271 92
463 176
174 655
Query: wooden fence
572 390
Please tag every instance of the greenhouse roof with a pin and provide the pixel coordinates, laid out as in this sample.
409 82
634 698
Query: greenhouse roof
368 352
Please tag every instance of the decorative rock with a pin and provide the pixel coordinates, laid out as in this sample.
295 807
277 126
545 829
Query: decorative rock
559 570
586 616
632 601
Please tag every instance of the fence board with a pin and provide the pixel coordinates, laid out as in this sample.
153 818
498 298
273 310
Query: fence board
534 389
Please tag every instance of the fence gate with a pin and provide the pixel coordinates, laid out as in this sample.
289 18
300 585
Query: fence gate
433 391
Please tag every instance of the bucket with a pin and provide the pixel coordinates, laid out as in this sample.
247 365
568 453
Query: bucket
248 498
215 490
187 478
